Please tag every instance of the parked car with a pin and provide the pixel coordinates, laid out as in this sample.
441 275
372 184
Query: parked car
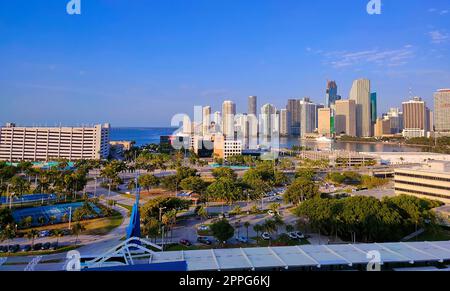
3 249
26 248
242 239
185 242
203 228
300 235
54 246
46 246
266 236
204 240
14 248
37 247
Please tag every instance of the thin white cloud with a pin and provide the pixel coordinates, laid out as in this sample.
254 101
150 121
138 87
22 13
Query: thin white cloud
376 56
438 37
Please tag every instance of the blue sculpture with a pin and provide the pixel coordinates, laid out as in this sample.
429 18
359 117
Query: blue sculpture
134 228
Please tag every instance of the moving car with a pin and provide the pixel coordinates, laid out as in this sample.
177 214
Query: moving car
44 233
204 240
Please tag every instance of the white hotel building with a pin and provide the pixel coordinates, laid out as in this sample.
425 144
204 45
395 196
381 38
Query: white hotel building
49 143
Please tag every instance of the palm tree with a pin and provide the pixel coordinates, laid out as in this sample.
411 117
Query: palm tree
247 226
77 229
289 228
202 212
58 233
258 228
32 235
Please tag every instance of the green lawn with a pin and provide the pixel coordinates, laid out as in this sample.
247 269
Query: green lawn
103 226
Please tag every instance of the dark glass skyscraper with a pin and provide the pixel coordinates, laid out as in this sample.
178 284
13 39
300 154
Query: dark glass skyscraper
332 95
373 107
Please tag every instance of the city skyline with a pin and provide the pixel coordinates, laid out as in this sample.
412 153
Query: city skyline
164 66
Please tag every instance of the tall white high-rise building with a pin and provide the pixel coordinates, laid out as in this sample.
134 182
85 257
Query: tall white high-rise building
242 129
360 93
442 111
285 125
228 113
267 123
308 116
206 120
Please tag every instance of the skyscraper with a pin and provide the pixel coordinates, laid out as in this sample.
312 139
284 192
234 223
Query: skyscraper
345 117
293 108
360 93
415 118
331 94
373 107
308 116
325 122
206 120
285 125
228 113
268 124
396 120
442 111
252 105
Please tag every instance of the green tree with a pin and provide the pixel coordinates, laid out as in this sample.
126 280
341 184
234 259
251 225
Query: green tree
223 172
301 190
32 234
195 184
226 190
222 230
77 229
148 181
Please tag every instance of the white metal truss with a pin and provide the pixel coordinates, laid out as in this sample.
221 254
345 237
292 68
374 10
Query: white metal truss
131 249
215 259
440 260
411 261
32 264
286 266
309 257
247 259
339 256
3 260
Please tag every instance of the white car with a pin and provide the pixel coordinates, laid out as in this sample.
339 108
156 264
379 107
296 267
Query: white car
296 235
203 228
266 236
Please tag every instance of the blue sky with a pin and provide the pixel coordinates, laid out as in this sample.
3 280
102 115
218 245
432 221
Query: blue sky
137 63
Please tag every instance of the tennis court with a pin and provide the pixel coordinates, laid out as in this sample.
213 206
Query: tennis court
57 211
28 198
